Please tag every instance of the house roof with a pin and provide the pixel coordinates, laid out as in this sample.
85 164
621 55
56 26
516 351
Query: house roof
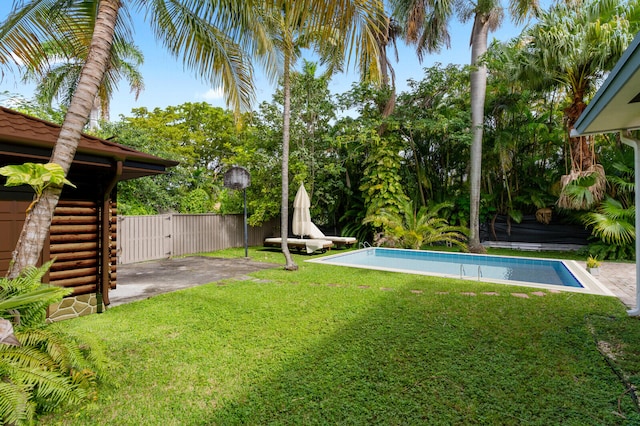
616 105
29 137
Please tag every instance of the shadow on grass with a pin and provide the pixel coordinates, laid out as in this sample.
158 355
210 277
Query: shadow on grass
425 357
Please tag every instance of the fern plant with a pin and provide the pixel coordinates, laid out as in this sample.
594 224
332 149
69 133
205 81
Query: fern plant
47 369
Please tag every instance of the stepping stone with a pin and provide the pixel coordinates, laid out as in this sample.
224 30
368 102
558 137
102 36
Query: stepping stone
539 293
386 289
416 291
491 293
333 285
521 295
468 293
442 292
363 286
553 290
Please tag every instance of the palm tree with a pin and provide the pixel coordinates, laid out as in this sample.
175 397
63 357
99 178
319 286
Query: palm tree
212 38
207 39
200 36
571 47
57 73
426 25
290 35
61 78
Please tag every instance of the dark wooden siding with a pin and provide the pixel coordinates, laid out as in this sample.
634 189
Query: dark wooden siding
12 214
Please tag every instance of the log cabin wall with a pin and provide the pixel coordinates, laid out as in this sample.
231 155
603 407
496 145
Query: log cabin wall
74 244
77 245
113 244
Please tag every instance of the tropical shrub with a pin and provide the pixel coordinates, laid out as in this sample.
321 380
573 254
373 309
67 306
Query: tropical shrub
613 225
39 369
411 228
612 222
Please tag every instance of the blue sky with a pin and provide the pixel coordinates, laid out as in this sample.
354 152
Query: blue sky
167 83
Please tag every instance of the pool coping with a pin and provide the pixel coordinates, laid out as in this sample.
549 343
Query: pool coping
590 285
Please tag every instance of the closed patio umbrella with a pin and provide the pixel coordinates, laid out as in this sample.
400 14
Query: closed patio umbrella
301 215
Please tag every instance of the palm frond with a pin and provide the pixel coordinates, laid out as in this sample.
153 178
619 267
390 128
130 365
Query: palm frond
42 297
611 231
189 34
612 222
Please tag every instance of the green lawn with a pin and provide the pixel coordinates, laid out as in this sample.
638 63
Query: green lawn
331 345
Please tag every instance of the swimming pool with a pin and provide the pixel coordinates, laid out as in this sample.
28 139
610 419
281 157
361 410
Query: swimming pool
543 273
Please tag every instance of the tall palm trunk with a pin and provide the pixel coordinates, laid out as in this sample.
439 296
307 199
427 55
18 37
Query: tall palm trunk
581 154
286 119
38 220
479 37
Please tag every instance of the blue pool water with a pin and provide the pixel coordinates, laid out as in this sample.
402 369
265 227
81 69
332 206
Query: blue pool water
460 265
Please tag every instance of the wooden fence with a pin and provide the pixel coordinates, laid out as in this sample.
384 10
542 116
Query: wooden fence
142 238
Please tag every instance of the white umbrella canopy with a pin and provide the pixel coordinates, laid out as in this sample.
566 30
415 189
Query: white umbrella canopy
301 215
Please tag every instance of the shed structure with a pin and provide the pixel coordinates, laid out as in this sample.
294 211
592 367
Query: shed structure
83 233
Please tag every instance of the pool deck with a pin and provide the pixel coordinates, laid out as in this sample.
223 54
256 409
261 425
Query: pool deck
620 278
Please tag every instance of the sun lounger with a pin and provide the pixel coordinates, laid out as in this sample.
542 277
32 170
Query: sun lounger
315 232
309 245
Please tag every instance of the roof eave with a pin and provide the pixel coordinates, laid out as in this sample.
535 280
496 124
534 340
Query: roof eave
611 97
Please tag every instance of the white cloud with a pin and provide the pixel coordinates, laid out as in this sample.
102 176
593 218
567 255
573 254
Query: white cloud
211 94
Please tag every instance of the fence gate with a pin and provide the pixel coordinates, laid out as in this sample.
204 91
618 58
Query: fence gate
143 238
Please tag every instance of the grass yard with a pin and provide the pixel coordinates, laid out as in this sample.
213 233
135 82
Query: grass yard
333 345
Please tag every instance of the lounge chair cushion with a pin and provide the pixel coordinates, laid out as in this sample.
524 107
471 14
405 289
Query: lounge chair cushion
315 232
310 245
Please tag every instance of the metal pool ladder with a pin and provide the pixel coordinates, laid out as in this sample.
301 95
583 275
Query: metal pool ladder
463 272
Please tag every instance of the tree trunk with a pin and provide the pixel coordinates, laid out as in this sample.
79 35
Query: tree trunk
284 212
38 220
581 154
478 92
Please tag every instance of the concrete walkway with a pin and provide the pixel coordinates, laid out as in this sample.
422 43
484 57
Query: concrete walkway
620 278
139 281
